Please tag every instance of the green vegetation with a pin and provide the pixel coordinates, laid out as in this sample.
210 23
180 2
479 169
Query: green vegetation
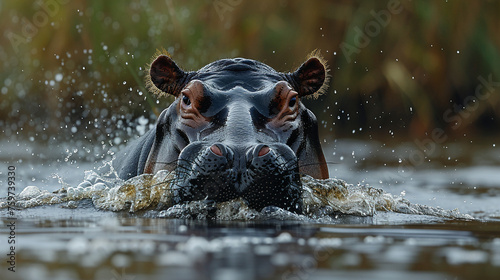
398 67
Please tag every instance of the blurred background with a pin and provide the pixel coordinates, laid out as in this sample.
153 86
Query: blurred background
74 70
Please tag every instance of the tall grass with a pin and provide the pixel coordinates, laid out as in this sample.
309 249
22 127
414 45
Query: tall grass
426 60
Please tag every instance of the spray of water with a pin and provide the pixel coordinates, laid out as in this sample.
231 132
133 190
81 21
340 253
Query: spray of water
322 199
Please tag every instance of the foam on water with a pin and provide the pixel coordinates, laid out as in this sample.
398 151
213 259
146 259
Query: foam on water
322 199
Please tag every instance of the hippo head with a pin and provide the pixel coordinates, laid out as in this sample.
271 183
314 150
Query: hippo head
237 129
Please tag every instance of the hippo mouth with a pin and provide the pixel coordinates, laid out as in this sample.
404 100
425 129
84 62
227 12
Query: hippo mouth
271 179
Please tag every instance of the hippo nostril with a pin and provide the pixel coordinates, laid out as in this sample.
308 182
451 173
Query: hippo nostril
216 150
263 151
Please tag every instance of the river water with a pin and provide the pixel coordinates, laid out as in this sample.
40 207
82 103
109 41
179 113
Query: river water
385 214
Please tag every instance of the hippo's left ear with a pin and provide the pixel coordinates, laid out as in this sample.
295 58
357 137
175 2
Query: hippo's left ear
311 77
166 77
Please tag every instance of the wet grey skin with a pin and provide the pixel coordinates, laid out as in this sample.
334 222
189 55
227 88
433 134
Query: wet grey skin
237 129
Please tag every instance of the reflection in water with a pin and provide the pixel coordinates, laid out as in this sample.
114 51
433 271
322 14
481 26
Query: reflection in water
144 248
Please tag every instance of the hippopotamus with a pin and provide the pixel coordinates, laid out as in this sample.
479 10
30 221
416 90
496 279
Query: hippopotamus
237 129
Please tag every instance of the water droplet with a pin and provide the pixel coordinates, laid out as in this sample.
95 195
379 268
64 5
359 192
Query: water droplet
58 77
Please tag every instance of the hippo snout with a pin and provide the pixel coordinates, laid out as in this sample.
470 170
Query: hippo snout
263 175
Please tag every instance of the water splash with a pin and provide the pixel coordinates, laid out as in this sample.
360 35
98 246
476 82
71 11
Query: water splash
322 199
336 196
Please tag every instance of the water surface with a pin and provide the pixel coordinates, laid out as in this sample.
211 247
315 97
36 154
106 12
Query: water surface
454 233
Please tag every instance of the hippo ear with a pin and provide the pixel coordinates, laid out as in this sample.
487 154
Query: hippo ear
166 76
311 77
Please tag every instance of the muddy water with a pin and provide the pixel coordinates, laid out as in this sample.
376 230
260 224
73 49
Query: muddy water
379 217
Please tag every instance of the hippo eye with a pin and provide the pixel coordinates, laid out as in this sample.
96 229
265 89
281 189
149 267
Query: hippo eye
292 102
186 100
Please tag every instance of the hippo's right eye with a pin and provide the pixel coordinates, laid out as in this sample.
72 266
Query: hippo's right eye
186 100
